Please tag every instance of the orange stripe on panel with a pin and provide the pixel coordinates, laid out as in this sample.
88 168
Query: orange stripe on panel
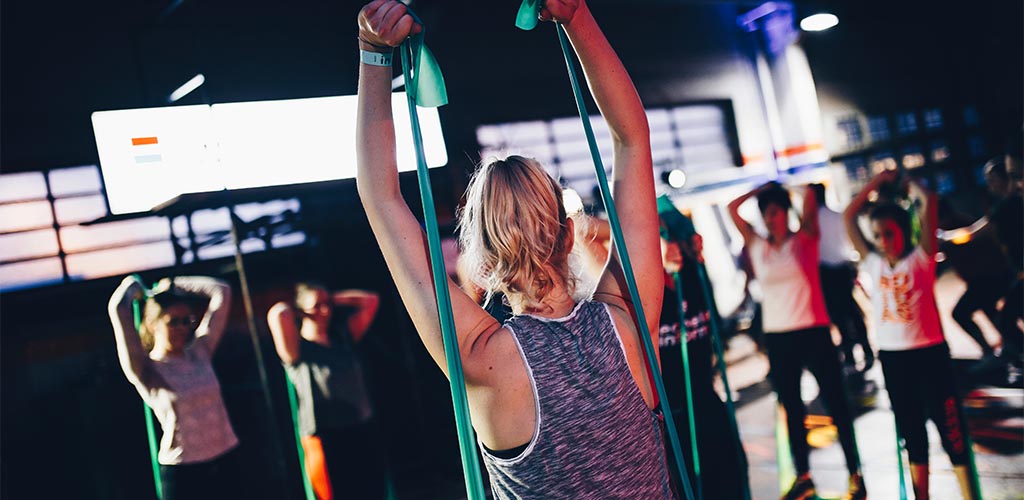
139 141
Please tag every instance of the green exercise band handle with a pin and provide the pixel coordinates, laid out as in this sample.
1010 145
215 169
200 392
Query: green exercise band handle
684 349
627 268
463 420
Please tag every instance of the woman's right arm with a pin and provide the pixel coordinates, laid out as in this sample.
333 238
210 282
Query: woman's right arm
860 244
385 23
281 320
734 212
133 357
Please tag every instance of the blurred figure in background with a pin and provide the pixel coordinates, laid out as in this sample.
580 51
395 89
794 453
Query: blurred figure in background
723 470
982 266
335 419
838 274
168 360
1005 220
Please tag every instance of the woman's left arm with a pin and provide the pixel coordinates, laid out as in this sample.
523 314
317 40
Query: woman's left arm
927 215
211 327
365 303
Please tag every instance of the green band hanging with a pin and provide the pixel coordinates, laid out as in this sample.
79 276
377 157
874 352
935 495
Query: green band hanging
684 339
716 341
307 485
620 246
899 464
150 426
425 85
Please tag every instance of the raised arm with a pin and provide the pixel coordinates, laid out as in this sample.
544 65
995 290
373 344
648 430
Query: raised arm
133 357
734 212
211 327
383 24
285 331
927 214
632 172
962 235
852 212
365 304
809 215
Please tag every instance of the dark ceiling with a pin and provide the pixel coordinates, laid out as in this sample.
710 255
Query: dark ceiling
63 60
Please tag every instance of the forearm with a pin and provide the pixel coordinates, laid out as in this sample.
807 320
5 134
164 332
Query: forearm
377 171
130 352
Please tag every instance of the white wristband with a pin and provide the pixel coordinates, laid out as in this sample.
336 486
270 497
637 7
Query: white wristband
375 58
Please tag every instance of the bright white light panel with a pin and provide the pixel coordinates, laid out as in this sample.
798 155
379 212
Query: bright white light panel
151 155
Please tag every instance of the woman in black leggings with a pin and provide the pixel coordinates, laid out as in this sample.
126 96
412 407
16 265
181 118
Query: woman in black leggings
796 326
912 349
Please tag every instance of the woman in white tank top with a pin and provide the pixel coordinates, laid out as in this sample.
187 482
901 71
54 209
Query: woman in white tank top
796 326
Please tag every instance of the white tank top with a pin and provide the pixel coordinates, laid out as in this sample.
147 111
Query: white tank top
903 301
789 280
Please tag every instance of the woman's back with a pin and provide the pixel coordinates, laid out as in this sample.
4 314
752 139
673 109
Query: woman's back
595 435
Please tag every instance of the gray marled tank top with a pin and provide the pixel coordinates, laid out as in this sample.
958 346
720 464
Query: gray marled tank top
595 436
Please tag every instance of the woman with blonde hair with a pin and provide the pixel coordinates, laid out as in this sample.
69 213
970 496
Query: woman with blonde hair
168 360
559 394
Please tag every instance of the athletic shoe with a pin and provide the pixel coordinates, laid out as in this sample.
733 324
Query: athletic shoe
802 489
857 490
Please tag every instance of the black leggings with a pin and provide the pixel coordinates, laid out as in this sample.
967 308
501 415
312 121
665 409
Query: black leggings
355 461
837 287
789 353
981 295
921 386
217 479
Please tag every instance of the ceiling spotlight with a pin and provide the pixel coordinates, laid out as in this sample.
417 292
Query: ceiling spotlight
186 88
819 22
676 178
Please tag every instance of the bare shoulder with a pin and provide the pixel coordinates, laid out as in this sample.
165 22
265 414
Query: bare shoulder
495 360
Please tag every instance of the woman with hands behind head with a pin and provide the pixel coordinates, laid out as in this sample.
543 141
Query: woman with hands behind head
912 348
339 440
796 326
168 360
559 394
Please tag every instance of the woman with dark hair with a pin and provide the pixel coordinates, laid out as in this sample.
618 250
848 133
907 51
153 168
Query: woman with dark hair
559 394
796 326
912 349
168 360
339 442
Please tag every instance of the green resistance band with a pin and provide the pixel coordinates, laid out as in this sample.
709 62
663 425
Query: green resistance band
716 341
307 486
683 341
426 88
782 451
627 268
899 464
973 467
150 426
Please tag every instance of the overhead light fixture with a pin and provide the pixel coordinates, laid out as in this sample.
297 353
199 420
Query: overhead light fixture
677 178
186 88
819 22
